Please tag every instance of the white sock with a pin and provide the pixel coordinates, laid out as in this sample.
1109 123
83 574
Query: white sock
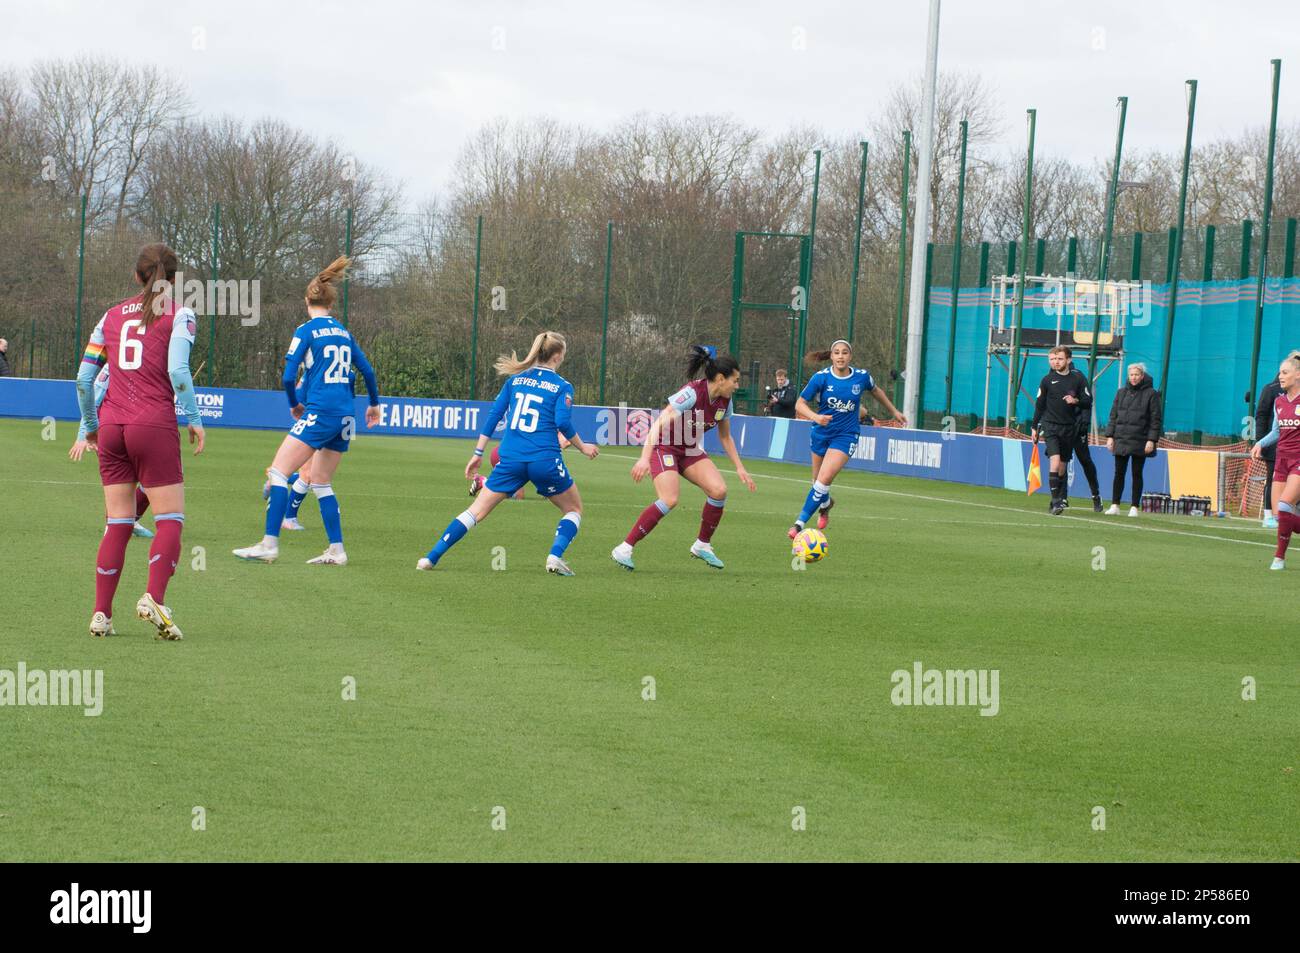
336 549
271 542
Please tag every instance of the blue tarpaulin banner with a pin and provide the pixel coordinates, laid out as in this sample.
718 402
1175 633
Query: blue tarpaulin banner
952 457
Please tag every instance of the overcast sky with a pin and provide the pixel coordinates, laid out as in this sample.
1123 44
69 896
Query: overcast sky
402 84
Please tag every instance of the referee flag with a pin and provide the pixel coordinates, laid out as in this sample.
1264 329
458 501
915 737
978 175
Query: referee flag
1035 478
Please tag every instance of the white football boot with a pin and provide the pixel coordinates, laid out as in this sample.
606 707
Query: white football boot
558 566
101 625
260 553
160 617
622 554
331 557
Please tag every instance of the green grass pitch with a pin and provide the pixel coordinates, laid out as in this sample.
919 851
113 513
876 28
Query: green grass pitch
477 689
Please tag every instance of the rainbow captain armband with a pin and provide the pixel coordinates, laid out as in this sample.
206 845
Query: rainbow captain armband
96 354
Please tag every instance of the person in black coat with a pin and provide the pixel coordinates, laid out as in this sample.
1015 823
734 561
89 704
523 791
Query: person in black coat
1263 424
1136 422
781 398
4 364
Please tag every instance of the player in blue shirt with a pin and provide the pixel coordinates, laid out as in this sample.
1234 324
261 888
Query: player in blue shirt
838 390
326 352
300 482
535 403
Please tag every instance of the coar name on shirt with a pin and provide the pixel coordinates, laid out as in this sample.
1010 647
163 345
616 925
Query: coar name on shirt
525 381
834 403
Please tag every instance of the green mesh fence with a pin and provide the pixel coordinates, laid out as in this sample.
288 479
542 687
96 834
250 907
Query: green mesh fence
411 298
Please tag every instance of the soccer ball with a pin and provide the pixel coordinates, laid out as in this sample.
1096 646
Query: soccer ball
811 545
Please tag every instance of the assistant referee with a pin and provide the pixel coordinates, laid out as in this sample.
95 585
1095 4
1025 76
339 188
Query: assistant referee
1064 399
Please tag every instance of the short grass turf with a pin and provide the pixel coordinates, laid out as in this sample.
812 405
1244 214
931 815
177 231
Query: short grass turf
479 690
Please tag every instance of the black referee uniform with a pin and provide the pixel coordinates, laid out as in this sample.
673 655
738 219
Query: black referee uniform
1063 427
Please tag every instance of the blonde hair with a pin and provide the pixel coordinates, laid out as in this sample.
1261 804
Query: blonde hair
321 290
545 346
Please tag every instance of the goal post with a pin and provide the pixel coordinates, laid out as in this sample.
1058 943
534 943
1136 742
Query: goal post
1241 484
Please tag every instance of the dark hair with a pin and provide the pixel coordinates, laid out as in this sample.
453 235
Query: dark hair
710 362
156 266
820 357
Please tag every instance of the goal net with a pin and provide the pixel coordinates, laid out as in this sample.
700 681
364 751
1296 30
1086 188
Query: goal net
1241 483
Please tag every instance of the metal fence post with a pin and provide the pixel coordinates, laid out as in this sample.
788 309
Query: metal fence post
212 318
604 311
347 250
473 337
81 284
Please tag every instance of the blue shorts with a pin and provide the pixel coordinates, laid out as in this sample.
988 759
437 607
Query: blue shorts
549 476
323 432
821 442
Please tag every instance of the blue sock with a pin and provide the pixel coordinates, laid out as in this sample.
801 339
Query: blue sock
452 535
329 511
297 495
277 503
564 533
816 496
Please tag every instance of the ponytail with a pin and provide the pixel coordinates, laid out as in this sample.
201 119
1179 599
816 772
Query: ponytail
545 346
821 357
705 362
155 268
321 290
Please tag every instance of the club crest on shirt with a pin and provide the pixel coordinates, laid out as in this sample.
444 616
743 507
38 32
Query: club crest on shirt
720 414
857 389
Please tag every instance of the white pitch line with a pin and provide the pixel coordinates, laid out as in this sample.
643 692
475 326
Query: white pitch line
1014 509
846 486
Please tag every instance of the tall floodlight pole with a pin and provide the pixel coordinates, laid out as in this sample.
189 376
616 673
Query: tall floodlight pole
921 228
1263 244
1013 385
857 243
956 270
1103 266
902 268
1176 271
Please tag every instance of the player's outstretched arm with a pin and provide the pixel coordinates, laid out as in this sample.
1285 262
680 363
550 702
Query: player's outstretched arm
665 420
95 357
888 404
804 411
729 445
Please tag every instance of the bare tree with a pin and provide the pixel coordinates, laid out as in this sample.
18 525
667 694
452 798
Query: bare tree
97 120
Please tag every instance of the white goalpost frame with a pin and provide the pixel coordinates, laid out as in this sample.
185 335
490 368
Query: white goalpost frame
1074 324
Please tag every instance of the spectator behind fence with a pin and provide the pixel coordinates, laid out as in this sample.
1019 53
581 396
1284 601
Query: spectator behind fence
782 397
1134 430
4 358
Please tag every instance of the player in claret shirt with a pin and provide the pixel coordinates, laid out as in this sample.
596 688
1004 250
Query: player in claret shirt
81 445
673 449
1285 435
145 341
327 352
537 405
839 390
